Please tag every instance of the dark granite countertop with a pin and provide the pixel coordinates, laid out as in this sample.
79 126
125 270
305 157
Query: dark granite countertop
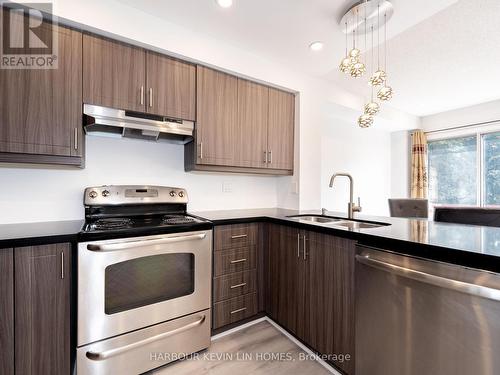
467 245
32 234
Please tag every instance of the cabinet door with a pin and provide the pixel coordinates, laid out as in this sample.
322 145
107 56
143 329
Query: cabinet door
285 286
171 87
41 109
330 297
6 312
281 129
42 309
114 74
216 101
251 133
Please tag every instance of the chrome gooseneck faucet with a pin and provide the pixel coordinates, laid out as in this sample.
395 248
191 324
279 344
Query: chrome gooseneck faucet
351 207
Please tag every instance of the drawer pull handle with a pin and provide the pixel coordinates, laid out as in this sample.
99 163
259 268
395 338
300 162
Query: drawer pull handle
239 310
239 236
238 285
239 260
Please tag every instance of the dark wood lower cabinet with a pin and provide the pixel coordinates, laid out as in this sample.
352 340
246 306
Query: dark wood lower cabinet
6 312
287 273
330 298
311 290
42 309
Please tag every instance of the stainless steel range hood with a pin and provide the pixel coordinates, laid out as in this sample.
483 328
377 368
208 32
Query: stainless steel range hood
119 123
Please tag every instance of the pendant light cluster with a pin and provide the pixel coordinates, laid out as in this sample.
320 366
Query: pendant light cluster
371 11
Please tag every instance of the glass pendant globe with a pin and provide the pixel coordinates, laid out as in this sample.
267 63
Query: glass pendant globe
378 78
345 65
354 53
385 93
372 108
357 69
365 121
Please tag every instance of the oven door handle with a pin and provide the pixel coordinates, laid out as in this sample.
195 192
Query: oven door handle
131 244
99 356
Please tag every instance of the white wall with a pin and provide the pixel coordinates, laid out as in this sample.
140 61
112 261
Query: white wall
55 194
28 194
366 155
475 114
400 164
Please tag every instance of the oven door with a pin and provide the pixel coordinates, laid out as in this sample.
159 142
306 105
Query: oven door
128 284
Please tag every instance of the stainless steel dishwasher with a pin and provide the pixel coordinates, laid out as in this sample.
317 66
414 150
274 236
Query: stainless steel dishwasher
416 316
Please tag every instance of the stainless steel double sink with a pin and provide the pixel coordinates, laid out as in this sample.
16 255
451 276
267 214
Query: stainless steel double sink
337 222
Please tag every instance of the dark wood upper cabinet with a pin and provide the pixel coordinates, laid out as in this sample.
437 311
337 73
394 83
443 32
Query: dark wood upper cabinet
7 312
242 126
41 109
251 132
217 105
171 87
280 133
114 74
42 309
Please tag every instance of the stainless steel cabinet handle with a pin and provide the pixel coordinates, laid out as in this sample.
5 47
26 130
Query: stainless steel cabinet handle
237 286
265 157
62 265
150 96
271 157
142 95
238 260
76 138
239 236
99 356
443 282
305 248
298 245
201 150
131 244
239 310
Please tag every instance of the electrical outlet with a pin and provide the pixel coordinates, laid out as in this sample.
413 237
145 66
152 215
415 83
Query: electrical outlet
227 187
294 187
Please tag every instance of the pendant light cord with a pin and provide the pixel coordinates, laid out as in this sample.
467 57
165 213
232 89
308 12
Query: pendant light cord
385 47
378 37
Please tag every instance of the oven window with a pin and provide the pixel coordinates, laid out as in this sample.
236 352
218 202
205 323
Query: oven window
148 280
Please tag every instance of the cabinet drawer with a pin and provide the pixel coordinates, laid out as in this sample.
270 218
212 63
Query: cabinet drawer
234 285
236 260
233 236
234 309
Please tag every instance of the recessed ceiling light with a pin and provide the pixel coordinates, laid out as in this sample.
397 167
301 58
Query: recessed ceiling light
224 3
316 46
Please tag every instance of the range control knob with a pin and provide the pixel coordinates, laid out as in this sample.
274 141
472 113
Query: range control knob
172 193
93 194
105 193
181 194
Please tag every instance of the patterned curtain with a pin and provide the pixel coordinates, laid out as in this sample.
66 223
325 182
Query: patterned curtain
418 165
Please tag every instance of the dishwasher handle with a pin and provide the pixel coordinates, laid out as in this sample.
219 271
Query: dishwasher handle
456 285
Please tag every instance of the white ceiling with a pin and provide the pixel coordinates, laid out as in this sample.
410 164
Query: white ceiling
443 54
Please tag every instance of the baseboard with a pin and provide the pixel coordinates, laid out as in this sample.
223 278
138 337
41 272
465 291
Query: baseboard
285 333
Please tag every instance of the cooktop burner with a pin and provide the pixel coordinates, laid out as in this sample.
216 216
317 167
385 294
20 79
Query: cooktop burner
113 223
177 219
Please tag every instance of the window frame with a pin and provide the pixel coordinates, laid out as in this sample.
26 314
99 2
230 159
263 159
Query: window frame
479 131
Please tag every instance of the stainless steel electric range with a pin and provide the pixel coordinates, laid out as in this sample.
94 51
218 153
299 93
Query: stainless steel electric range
144 280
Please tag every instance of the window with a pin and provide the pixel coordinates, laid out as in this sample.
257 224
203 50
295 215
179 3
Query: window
465 170
491 162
